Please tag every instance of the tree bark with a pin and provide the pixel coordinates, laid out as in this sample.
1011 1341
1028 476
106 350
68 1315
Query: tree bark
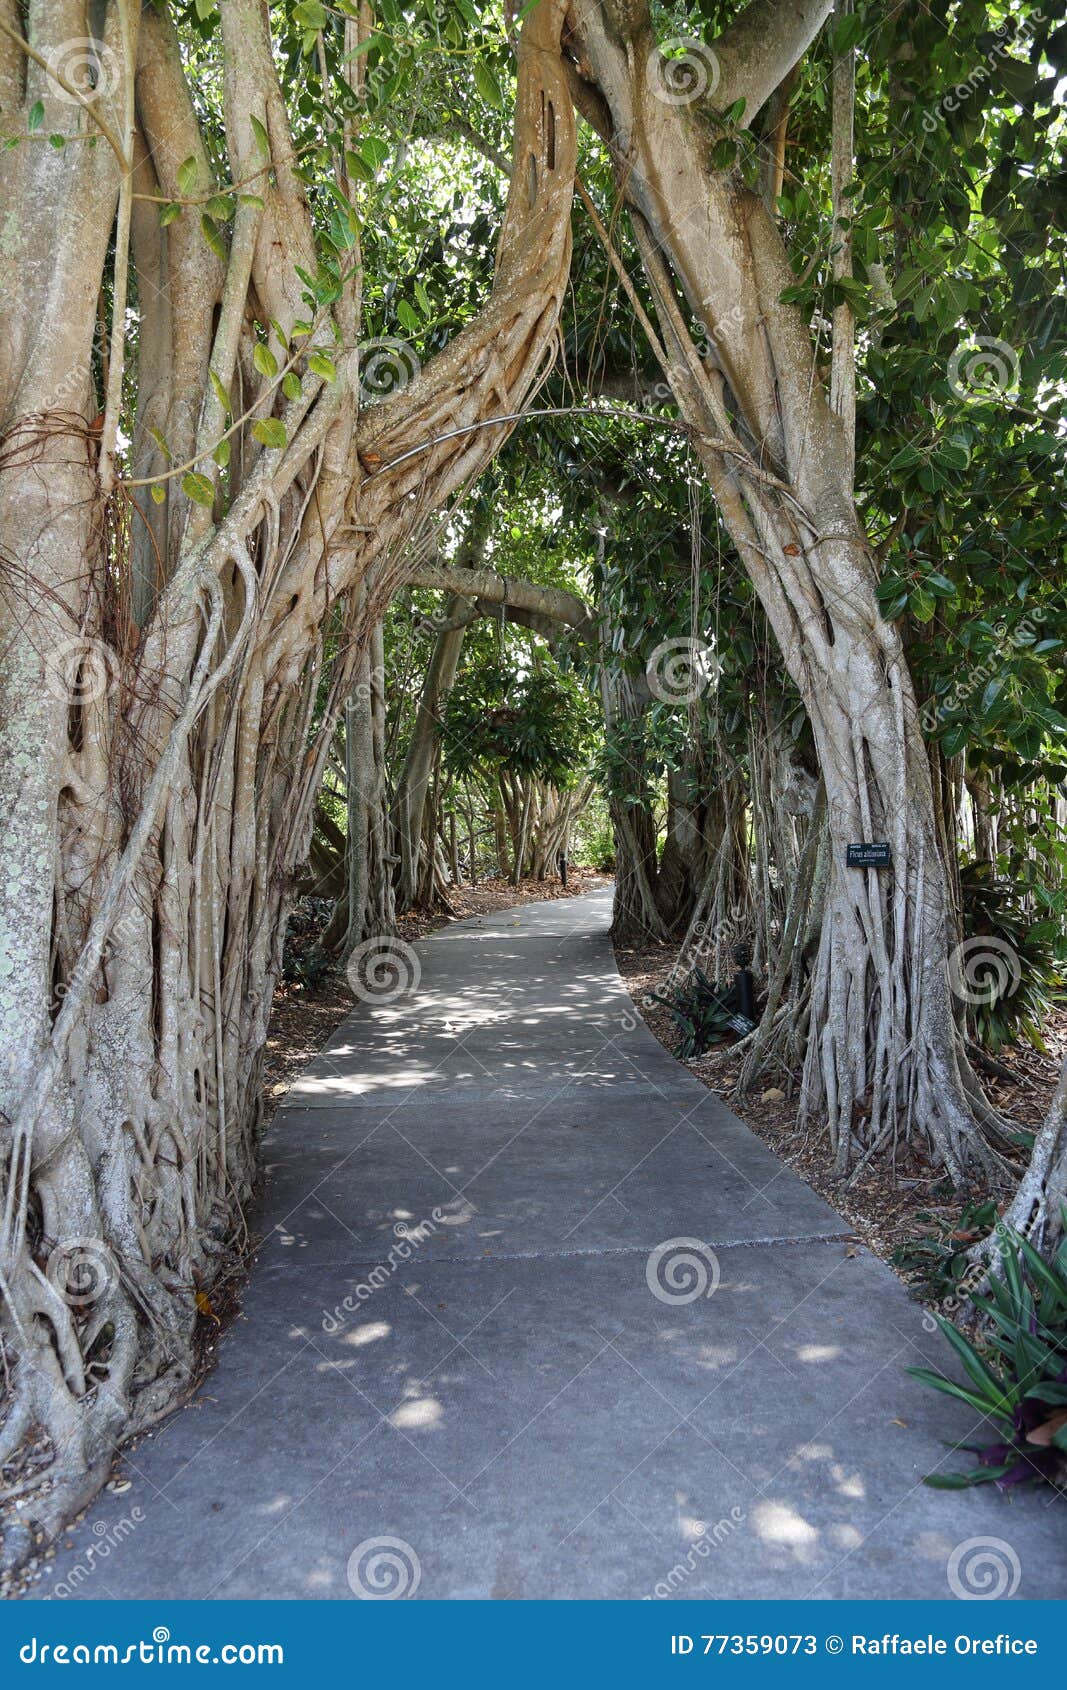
165 711
884 1061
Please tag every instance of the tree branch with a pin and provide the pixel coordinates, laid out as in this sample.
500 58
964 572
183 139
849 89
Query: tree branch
507 590
758 50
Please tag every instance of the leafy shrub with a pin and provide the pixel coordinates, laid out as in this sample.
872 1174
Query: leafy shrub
705 1013
541 723
935 1264
1017 1370
594 840
1016 1001
304 962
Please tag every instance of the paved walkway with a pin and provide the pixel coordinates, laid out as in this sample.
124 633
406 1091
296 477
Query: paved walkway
523 1394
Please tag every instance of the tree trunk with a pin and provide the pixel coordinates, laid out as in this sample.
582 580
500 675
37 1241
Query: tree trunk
158 786
884 1062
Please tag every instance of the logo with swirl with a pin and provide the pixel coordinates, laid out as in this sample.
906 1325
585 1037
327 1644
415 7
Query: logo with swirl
160 1634
381 1569
984 368
983 1569
681 1270
386 366
81 1271
90 67
382 969
983 970
80 671
684 69
680 670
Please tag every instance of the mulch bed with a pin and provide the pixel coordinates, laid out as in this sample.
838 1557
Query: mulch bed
883 1205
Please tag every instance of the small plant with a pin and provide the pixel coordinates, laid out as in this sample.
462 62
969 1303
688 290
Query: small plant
935 1263
705 1013
1017 1370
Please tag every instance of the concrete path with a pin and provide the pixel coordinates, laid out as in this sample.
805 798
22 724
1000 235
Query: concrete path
536 1309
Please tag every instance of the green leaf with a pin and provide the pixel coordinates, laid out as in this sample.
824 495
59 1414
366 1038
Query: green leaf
265 361
976 1369
57 141
169 213
322 366
487 85
158 493
309 14
221 454
990 695
847 32
939 584
213 238
291 385
35 117
220 392
374 151
188 175
198 488
262 138
963 1481
270 432
938 1382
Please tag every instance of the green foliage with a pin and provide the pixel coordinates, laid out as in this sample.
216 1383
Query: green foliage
1016 1373
705 1013
1022 980
541 723
594 838
935 1264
